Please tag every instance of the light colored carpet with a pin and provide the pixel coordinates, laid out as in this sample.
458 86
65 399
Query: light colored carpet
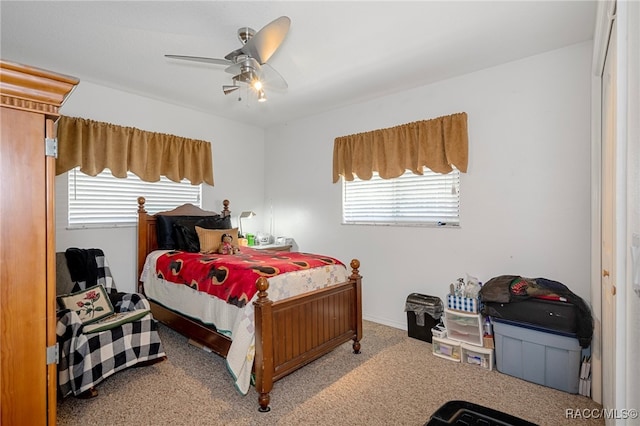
395 380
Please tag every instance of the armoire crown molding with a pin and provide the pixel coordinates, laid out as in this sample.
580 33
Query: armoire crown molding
33 89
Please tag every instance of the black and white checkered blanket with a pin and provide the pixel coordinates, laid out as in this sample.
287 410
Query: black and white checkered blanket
89 267
87 359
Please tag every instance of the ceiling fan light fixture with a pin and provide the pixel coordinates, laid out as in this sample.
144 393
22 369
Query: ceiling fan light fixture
257 84
229 89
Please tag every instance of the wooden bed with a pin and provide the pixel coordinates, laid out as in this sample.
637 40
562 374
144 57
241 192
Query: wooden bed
289 333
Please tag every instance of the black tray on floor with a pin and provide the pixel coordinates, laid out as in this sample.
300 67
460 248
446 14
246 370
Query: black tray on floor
467 413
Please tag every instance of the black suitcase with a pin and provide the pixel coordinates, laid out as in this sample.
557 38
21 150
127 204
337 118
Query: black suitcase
555 316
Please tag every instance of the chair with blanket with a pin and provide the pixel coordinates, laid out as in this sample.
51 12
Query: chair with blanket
100 331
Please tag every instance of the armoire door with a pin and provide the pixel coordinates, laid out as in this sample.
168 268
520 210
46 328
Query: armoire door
29 102
24 267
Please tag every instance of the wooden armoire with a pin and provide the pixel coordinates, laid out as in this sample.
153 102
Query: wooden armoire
30 99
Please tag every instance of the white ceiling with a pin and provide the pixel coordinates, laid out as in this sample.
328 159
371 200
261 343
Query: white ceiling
336 53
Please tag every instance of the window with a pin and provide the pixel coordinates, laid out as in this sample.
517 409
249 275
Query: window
411 200
105 200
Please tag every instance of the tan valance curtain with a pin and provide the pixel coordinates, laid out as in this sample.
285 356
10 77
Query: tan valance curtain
438 144
95 145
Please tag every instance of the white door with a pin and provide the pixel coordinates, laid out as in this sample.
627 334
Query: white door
608 214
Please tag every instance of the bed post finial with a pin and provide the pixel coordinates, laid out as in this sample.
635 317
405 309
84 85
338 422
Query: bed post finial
262 284
355 273
141 201
225 208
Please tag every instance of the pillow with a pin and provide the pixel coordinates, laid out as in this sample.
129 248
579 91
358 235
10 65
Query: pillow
91 304
184 231
214 222
210 238
186 238
165 232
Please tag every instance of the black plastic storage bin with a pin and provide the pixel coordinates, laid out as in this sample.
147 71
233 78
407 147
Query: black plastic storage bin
468 413
423 313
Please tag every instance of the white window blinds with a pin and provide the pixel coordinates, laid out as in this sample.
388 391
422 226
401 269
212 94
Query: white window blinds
105 200
412 200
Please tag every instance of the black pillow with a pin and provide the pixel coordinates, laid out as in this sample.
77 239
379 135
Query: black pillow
164 231
186 238
166 234
214 222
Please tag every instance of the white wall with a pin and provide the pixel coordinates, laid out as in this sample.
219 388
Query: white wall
238 166
525 201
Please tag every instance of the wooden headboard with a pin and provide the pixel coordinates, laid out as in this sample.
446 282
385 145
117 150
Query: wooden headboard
147 236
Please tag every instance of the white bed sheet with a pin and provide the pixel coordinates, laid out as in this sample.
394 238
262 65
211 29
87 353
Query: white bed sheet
237 323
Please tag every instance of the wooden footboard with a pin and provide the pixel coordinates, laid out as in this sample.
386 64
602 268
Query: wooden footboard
293 332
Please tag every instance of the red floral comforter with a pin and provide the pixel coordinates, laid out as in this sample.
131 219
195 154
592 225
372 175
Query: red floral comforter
232 277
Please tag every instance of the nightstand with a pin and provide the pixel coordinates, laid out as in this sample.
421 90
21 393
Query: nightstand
276 247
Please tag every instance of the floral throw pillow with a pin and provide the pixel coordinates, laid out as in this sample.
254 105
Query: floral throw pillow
91 304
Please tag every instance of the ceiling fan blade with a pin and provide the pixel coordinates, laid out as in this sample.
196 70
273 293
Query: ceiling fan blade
272 78
201 59
266 41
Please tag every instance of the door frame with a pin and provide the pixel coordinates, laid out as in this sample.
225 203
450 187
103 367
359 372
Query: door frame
601 41
610 199
607 12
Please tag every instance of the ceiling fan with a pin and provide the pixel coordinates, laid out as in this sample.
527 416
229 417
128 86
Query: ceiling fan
248 64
